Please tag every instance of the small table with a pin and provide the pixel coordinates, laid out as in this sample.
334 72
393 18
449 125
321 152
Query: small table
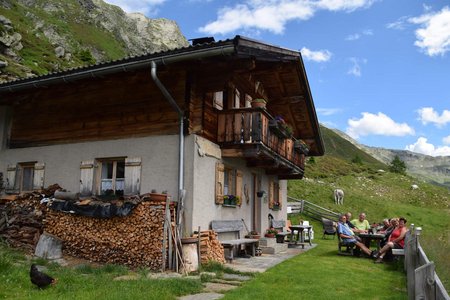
378 237
300 237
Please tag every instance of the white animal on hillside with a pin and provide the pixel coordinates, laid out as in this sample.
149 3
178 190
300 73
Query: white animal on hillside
338 196
414 186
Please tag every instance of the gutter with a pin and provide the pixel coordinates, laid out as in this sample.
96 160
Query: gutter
173 103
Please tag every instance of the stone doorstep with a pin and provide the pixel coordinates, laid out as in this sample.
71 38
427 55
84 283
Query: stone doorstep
274 249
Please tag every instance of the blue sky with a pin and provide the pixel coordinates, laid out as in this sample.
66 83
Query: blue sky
379 70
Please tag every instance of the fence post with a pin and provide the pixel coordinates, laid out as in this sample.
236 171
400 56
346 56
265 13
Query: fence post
424 282
411 249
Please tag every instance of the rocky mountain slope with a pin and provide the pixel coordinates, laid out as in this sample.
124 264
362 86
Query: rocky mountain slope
424 167
42 36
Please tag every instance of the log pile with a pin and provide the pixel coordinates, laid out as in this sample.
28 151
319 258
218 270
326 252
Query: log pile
134 240
21 220
210 247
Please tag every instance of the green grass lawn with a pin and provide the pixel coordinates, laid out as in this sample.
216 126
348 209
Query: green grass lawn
316 274
322 274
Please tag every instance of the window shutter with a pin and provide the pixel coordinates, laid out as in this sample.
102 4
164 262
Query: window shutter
87 177
220 177
132 175
271 194
38 179
11 181
239 177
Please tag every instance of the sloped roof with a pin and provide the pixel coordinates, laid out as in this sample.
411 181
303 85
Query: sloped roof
289 87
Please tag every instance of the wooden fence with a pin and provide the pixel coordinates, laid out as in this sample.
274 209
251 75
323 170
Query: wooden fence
423 282
310 209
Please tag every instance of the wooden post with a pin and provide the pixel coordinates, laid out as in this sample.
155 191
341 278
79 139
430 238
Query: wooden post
424 282
198 249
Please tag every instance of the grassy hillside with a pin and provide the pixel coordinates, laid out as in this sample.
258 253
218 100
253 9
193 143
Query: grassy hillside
379 194
75 29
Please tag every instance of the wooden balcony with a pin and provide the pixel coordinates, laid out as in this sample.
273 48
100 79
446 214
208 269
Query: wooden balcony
245 133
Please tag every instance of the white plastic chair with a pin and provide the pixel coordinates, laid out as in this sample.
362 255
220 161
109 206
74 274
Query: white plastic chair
305 233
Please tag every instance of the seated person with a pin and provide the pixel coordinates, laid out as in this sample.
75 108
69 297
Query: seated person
348 236
392 224
349 217
386 225
396 240
361 224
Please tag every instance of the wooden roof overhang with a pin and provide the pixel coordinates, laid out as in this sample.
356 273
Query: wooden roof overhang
281 72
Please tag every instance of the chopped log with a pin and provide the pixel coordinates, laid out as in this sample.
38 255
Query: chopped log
66 195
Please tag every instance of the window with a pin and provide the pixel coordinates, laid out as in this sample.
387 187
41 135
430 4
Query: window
274 195
229 187
26 173
111 176
218 100
24 177
248 100
237 98
228 183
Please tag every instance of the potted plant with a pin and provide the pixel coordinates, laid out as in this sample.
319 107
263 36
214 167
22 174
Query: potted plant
280 128
301 146
231 200
253 235
271 232
154 196
276 206
258 102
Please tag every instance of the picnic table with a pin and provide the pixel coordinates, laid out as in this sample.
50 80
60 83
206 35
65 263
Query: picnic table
368 237
297 237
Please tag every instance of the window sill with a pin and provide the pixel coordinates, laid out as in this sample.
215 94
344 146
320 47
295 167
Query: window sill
229 205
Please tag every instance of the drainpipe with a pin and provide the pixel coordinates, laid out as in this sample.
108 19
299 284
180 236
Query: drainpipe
172 102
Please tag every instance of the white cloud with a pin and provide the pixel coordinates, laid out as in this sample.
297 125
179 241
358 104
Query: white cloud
380 124
328 111
400 24
272 15
147 7
357 36
429 115
422 146
446 140
317 56
433 36
355 69
353 37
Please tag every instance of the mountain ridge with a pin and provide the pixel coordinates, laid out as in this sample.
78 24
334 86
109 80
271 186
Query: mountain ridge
43 36
428 168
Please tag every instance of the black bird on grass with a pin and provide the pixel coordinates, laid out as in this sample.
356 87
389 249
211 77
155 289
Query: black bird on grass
40 279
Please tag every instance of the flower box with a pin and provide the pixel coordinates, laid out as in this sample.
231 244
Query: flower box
301 147
158 197
280 129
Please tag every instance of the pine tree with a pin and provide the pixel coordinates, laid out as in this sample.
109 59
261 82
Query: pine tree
397 166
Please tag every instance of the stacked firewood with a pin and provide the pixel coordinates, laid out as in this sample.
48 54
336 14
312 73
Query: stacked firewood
21 220
210 247
134 240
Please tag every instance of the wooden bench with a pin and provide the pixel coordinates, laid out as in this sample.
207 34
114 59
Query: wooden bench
280 225
398 252
232 228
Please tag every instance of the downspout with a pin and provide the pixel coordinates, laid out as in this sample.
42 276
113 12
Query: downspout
173 103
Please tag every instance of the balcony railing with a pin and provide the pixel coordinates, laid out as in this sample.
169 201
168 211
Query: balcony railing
246 130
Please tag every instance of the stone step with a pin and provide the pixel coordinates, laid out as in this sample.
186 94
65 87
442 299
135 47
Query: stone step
274 248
